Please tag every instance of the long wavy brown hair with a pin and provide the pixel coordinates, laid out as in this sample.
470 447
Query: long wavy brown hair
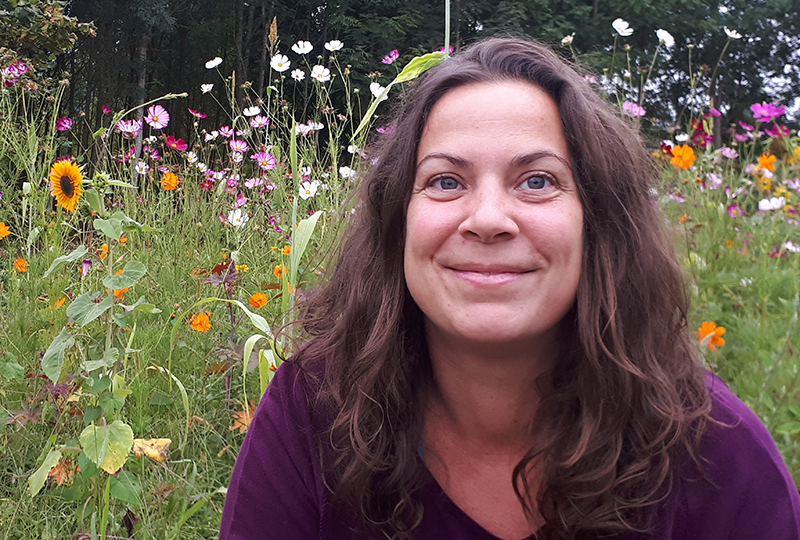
627 403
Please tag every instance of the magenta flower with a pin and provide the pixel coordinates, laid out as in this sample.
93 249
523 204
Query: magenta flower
63 124
442 49
702 139
746 127
259 121
129 128
391 57
197 114
176 144
206 184
735 211
238 146
728 152
632 109
778 130
240 201
106 110
157 117
265 160
794 184
767 112
87 264
233 181
715 112
226 132
741 138
254 182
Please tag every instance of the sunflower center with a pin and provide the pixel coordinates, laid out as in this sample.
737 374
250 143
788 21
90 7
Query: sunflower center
66 186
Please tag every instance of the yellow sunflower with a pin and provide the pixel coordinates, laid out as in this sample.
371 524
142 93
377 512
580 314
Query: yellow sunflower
65 184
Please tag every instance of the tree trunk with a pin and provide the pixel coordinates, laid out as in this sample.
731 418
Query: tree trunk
144 44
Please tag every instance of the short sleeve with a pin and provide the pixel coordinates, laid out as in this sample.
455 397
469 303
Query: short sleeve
274 492
748 491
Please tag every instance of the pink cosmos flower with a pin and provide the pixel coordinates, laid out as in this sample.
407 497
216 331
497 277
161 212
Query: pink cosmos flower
238 146
385 131
442 49
735 211
632 109
176 144
746 127
254 182
164 169
240 201
157 117
211 136
794 184
259 121
106 110
129 128
778 130
728 152
715 112
197 114
391 57
265 160
226 132
714 180
741 138
767 112
233 181
677 197
63 124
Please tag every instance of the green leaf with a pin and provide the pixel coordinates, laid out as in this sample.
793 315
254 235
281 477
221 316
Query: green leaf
11 370
109 359
132 273
53 359
126 487
419 65
108 446
91 414
93 198
141 306
88 468
37 479
33 234
111 403
160 399
119 183
789 428
111 227
74 255
99 133
84 310
301 238
98 383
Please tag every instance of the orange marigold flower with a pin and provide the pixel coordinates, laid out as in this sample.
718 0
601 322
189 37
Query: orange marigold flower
279 270
170 181
4 230
683 219
682 156
287 250
711 335
61 302
120 292
258 300
21 265
767 161
201 322
103 253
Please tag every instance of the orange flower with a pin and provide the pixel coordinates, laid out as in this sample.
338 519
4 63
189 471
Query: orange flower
767 161
119 293
201 322
682 156
279 270
287 250
4 230
683 219
170 181
123 240
61 302
243 418
711 335
21 265
103 253
258 300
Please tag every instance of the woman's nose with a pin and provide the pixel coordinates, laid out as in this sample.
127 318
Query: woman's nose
489 215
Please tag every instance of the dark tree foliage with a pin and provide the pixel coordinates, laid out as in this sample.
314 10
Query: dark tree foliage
149 48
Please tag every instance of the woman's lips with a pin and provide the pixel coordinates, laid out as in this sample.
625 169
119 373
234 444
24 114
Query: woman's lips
489 277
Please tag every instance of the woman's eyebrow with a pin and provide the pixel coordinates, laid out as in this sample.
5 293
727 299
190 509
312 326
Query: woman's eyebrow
527 159
455 160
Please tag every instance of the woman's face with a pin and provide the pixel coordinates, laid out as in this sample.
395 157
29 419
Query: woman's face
494 228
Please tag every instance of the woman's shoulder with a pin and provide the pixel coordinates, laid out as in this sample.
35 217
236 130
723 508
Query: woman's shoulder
745 489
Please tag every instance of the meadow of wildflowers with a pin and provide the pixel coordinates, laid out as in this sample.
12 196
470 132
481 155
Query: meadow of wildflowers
142 285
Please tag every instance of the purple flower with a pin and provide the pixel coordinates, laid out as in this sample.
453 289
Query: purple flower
728 152
632 109
259 121
735 211
87 264
63 124
741 138
129 128
240 201
746 127
254 182
391 57
677 197
715 112
778 130
442 49
794 184
226 132
714 180
767 112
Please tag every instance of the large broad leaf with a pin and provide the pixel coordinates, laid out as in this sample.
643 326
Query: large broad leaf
74 255
53 359
301 238
140 306
94 200
111 227
108 446
109 359
37 479
132 273
126 487
84 310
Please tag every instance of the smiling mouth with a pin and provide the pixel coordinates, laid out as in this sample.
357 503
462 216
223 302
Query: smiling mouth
493 277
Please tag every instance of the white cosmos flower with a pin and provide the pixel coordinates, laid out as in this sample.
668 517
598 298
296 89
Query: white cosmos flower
622 27
142 167
237 157
298 74
774 203
733 34
352 149
665 37
791 246
321 73
682 137
280 62
252 111
206 88
316 126
568 39
191 157
237 218
347 172
214 62
308 189
376 89
334 45
302 47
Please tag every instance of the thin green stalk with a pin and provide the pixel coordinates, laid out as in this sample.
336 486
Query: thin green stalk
447 27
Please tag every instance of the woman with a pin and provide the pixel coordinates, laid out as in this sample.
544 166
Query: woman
502 351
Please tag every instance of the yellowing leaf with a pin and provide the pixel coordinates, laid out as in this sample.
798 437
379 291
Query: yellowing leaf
155 449
107 446
243 418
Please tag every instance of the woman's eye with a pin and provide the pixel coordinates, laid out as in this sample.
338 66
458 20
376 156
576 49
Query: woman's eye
446 183
537 182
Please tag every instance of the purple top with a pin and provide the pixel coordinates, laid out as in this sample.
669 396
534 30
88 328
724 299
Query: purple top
277 492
